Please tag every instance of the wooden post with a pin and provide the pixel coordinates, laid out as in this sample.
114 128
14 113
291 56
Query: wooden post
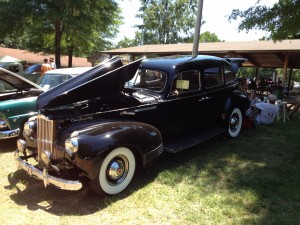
289 82
285 66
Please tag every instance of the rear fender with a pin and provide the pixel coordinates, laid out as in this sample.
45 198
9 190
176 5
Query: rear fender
237 99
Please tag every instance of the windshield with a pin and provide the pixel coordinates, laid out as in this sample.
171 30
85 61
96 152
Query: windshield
49 81
148 79
5 87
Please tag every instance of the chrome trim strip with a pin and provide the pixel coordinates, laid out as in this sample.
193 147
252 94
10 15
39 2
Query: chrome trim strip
155 153
145 109
9 133
72 185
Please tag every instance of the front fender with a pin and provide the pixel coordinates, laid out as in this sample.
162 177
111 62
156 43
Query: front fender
96 141
113 134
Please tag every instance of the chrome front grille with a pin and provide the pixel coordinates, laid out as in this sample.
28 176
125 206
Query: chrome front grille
46 130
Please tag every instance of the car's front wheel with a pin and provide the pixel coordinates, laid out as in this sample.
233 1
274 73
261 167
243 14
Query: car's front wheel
234 123
116 172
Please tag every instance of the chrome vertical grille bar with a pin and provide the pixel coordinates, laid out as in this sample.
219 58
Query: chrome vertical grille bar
45 136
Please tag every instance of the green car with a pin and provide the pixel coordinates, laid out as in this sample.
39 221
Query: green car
18 96
17 102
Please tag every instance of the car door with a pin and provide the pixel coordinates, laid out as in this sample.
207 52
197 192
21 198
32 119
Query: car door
186 103
214 97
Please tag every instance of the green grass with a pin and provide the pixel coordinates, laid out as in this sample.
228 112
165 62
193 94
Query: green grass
252 179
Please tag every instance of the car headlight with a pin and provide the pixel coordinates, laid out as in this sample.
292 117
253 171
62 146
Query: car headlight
3 125
29 128
71 145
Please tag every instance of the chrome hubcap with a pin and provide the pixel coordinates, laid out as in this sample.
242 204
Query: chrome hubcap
234 123
117 170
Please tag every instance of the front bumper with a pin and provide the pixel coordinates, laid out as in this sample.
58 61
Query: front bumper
9 134
72 185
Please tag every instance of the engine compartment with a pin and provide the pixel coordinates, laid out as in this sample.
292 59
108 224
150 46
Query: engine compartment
103 105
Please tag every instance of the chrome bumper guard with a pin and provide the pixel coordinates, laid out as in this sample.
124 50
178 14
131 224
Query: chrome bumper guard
9 134
72 185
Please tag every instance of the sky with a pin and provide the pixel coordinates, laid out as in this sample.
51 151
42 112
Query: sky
214 14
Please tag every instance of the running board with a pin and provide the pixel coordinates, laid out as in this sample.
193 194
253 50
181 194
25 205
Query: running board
188 141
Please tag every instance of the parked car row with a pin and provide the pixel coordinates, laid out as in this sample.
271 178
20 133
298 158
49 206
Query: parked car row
18 97
32 73
111 121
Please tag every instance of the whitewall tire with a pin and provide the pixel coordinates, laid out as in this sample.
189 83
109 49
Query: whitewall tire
235 123
116 172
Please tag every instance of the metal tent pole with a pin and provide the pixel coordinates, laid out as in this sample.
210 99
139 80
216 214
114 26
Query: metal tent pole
197 29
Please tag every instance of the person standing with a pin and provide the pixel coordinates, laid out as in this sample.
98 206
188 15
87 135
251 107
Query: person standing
45 67
52 63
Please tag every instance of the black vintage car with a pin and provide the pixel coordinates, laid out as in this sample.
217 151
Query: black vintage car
109 122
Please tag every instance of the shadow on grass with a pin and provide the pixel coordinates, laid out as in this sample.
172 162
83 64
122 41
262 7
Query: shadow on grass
60 202
8 145
263 162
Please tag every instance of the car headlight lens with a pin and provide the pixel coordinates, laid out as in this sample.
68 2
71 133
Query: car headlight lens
71 145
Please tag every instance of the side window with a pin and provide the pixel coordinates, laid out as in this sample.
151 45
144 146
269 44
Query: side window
14 69
186 81
229 75
212 77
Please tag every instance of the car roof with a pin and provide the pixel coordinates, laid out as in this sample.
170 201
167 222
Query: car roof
174 62
71 71
32 67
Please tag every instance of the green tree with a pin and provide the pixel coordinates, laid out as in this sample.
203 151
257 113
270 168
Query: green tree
126 42
59 26
167 21
281 20
209 37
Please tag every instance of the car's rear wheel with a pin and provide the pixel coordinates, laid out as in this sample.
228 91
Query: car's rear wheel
234 123
116 172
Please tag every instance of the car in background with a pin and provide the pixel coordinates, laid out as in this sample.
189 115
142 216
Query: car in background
33 72
17 102
18 97
55 77
108 123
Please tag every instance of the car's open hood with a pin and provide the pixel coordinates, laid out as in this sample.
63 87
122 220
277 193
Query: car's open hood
17 81
105 79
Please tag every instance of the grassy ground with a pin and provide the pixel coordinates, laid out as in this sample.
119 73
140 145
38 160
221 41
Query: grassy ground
253 179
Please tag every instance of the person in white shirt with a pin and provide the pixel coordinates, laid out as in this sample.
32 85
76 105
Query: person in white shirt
266 111
52 63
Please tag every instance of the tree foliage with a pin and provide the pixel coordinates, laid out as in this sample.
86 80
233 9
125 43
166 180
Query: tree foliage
282 20
209 37
167 21
69 26
126 42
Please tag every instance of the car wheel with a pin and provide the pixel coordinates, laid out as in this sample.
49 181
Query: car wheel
234 123
116 172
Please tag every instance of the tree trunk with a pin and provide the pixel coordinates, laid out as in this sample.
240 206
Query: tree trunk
57 44
70 55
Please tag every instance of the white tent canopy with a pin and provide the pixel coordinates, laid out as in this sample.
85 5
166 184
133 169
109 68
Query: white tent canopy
9 59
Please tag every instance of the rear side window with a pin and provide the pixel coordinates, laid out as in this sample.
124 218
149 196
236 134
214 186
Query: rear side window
212 77
229 75
187 81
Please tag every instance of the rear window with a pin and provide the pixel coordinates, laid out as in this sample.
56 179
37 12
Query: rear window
229 75
212 77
